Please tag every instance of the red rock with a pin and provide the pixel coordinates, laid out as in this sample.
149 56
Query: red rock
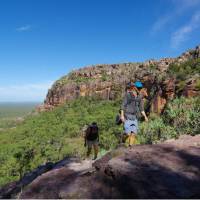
108 82
190 90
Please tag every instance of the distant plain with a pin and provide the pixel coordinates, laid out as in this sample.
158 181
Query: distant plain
12 113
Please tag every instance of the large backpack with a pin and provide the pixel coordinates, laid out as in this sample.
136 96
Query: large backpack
92 132
133 103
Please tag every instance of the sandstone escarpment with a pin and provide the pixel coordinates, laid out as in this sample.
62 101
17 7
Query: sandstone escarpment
108 82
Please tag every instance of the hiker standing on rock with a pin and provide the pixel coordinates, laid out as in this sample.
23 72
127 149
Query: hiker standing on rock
131 108
92 139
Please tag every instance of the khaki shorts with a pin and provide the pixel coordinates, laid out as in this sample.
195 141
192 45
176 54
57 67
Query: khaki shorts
91 143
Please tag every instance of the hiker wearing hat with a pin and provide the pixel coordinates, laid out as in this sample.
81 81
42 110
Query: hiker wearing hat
131 108
92 139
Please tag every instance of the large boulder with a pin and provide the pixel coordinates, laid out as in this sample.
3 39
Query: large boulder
168 170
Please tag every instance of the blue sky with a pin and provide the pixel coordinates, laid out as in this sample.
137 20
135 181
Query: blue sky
42 40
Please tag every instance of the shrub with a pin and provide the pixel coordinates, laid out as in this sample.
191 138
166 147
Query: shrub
197 85
155 131
184 115
183 70
181 116
180 86
23 158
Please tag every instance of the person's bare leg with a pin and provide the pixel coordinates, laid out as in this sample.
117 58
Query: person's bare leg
96 150
127 142
132 139
89 151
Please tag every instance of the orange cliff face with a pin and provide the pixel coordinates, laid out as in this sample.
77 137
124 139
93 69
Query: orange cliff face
165 92
190 89
108 82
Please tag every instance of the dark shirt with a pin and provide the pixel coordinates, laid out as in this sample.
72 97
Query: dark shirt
92 133
132 106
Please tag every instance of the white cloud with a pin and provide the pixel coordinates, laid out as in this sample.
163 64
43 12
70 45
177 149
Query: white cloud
179 8
26 92
23 28
160 23
182 5
182 34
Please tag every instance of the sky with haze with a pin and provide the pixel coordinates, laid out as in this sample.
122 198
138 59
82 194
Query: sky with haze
42 40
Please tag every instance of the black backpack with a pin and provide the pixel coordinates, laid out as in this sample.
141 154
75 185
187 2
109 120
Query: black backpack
118 120
92 132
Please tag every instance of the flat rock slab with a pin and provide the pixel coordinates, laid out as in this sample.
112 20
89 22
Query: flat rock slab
168 170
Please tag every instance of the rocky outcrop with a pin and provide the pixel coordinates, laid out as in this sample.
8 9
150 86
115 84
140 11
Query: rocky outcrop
165 91
191 54
108 82
11 189
190 89
168 170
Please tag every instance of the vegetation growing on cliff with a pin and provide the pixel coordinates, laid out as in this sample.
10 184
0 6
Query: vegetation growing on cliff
184 70
62 81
